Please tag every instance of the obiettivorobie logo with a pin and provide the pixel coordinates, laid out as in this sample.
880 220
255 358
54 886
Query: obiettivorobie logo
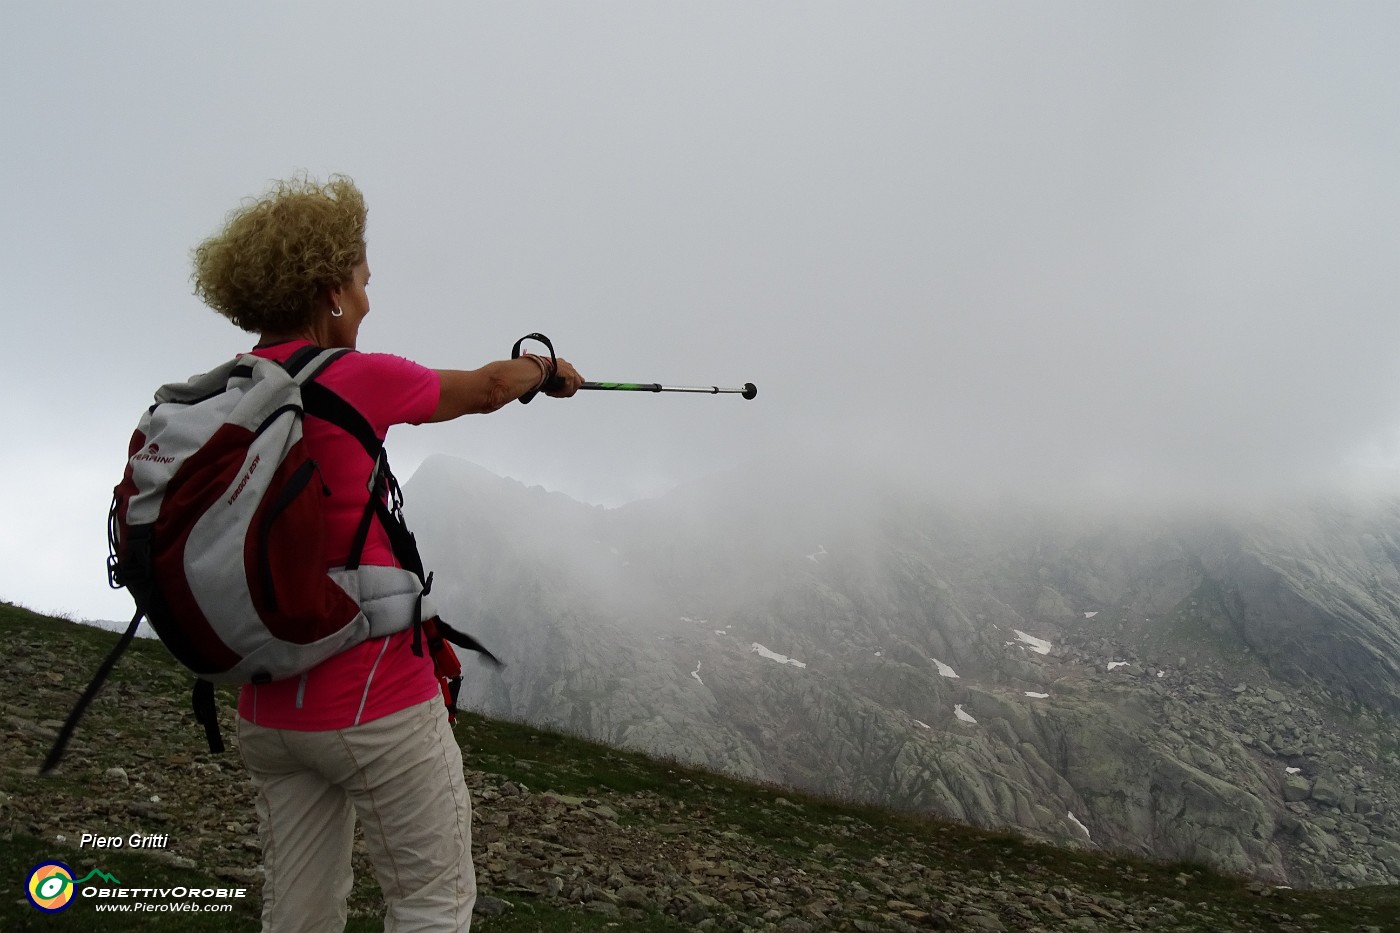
51 885
51 888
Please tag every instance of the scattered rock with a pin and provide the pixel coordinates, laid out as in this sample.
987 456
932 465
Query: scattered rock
1296 788
488 906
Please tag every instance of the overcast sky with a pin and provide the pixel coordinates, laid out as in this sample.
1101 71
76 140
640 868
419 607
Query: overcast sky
1142 245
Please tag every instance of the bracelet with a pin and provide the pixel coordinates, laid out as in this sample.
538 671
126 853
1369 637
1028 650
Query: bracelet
546 371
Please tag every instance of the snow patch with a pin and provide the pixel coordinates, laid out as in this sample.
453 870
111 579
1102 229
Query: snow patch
922 725
1037 696
1082 828
1090 615
819 552
1113 664
1292 770
945 670
763 652
962 714
696 674
1038 645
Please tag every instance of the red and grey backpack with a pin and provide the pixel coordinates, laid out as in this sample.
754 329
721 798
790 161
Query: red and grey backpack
216 531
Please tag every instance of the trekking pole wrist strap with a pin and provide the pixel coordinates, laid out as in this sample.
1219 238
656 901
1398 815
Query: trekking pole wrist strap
550 373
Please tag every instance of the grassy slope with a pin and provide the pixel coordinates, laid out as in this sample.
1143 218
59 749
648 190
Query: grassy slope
791 828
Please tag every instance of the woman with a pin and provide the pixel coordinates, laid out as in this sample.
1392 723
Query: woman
364 734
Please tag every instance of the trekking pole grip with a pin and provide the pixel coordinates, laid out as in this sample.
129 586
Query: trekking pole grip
553 381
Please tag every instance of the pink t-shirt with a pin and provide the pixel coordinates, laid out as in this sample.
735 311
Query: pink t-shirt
382 675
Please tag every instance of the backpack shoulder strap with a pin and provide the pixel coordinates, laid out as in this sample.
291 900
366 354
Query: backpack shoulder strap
323 403
305 366
307 363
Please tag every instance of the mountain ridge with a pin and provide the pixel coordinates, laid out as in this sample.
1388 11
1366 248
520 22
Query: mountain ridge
655 625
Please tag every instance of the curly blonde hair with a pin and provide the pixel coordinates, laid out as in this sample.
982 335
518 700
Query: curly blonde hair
278 254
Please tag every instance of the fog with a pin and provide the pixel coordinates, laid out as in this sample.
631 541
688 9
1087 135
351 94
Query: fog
1083 249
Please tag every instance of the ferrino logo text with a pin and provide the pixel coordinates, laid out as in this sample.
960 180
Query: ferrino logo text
152 455
244 481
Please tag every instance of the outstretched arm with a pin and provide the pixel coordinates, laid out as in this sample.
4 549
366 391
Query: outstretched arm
495 385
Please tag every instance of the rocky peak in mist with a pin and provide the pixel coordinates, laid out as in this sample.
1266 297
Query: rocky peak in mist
1213 684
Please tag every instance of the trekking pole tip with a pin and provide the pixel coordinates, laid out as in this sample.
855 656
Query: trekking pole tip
750 390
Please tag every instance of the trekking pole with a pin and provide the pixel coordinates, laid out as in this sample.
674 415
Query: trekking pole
749 390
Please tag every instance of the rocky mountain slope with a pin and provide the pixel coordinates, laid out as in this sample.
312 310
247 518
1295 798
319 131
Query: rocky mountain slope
568 835
1205 685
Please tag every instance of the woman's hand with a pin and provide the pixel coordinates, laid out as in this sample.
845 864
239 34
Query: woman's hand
566 380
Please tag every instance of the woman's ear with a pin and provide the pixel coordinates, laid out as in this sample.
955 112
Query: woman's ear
332 298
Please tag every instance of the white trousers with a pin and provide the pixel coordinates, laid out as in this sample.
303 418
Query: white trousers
402 776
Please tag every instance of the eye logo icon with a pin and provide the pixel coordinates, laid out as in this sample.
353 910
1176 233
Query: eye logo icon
50 887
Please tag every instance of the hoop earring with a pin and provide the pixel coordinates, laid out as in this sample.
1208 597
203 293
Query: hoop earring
337 312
